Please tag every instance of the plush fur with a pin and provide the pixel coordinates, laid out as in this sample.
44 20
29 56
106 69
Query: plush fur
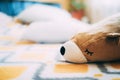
101 43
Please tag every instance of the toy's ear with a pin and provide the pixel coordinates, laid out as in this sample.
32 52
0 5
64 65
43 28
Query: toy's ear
113 38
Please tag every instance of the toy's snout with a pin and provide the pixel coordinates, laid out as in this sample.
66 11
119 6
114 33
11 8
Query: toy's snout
71 52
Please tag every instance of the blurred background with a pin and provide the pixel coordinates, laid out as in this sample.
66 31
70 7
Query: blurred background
89 11
54 18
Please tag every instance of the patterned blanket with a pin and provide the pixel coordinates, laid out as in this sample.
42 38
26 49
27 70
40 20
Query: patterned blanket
31 61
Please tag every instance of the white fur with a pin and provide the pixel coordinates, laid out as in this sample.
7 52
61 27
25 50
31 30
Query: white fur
54 31
43 13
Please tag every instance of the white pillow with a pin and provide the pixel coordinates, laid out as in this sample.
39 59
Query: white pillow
42 13
4 19
53 31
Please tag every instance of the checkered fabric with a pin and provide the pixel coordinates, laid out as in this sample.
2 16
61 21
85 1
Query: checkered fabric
32 61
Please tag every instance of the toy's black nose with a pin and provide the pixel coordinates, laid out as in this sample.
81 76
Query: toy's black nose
62 50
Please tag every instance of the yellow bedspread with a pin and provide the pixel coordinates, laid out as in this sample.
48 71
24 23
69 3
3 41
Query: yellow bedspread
29 61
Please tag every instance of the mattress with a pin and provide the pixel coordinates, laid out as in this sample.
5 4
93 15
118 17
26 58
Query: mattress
25 60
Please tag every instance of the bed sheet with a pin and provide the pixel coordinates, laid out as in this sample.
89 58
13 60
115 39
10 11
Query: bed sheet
22 60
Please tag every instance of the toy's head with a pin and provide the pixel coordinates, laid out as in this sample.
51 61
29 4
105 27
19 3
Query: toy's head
86 47
101 44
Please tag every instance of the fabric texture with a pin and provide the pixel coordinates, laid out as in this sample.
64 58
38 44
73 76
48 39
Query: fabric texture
23 60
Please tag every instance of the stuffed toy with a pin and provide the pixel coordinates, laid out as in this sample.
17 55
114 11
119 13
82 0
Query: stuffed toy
101 43
53 31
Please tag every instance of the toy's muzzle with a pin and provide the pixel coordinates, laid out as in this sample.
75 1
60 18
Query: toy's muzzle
71 52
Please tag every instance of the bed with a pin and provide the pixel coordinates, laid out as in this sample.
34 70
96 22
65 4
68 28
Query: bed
29 60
